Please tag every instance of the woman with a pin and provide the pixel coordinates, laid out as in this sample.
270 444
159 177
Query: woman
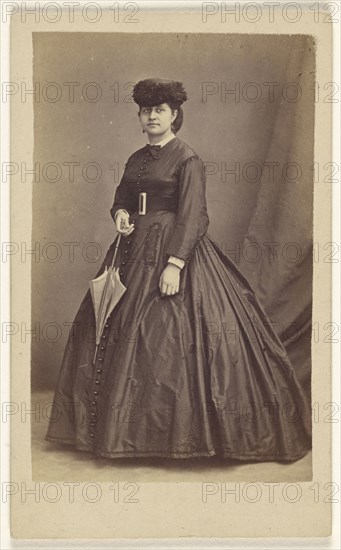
188 365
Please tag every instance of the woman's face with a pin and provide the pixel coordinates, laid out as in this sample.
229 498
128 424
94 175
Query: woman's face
157 120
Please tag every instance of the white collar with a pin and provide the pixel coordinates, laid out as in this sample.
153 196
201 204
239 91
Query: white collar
165 140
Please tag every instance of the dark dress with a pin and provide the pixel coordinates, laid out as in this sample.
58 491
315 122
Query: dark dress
200 373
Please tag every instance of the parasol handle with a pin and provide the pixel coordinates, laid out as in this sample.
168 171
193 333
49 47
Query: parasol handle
95 356
116 248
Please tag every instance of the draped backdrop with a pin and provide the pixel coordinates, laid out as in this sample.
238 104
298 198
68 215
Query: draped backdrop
249 116
279 233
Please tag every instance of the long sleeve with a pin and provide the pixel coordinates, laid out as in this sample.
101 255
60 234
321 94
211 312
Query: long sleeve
123 199
192 219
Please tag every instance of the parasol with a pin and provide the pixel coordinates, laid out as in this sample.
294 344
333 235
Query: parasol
106 291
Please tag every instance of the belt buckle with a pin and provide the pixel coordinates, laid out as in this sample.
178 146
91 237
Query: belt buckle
142 204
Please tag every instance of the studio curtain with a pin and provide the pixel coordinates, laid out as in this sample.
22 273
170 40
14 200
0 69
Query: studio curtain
277 250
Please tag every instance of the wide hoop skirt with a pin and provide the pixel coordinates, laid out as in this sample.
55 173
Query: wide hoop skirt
201 373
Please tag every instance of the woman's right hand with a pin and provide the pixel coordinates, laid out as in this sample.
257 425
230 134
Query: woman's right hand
123 226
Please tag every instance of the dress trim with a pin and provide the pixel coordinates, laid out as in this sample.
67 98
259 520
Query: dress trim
151 245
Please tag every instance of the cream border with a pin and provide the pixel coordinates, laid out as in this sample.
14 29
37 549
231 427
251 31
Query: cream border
166 510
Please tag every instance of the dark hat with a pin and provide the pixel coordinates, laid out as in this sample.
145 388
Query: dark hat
153 91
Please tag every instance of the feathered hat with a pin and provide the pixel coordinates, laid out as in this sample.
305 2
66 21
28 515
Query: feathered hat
153 91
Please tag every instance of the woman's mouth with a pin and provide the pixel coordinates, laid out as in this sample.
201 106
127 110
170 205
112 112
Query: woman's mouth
153 124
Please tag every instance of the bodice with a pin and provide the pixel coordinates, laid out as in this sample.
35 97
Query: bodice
156 172
174 172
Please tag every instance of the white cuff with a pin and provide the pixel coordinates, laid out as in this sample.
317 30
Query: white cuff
120 210
176 261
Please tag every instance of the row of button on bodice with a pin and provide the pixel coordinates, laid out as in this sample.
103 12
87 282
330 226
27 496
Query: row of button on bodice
98 368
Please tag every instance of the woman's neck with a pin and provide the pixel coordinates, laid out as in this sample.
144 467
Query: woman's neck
155 139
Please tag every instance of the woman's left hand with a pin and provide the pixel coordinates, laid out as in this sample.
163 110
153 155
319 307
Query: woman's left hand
169 282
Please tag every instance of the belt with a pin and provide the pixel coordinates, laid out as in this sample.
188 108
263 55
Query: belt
148 203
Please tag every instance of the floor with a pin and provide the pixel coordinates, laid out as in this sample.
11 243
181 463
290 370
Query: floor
61 463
